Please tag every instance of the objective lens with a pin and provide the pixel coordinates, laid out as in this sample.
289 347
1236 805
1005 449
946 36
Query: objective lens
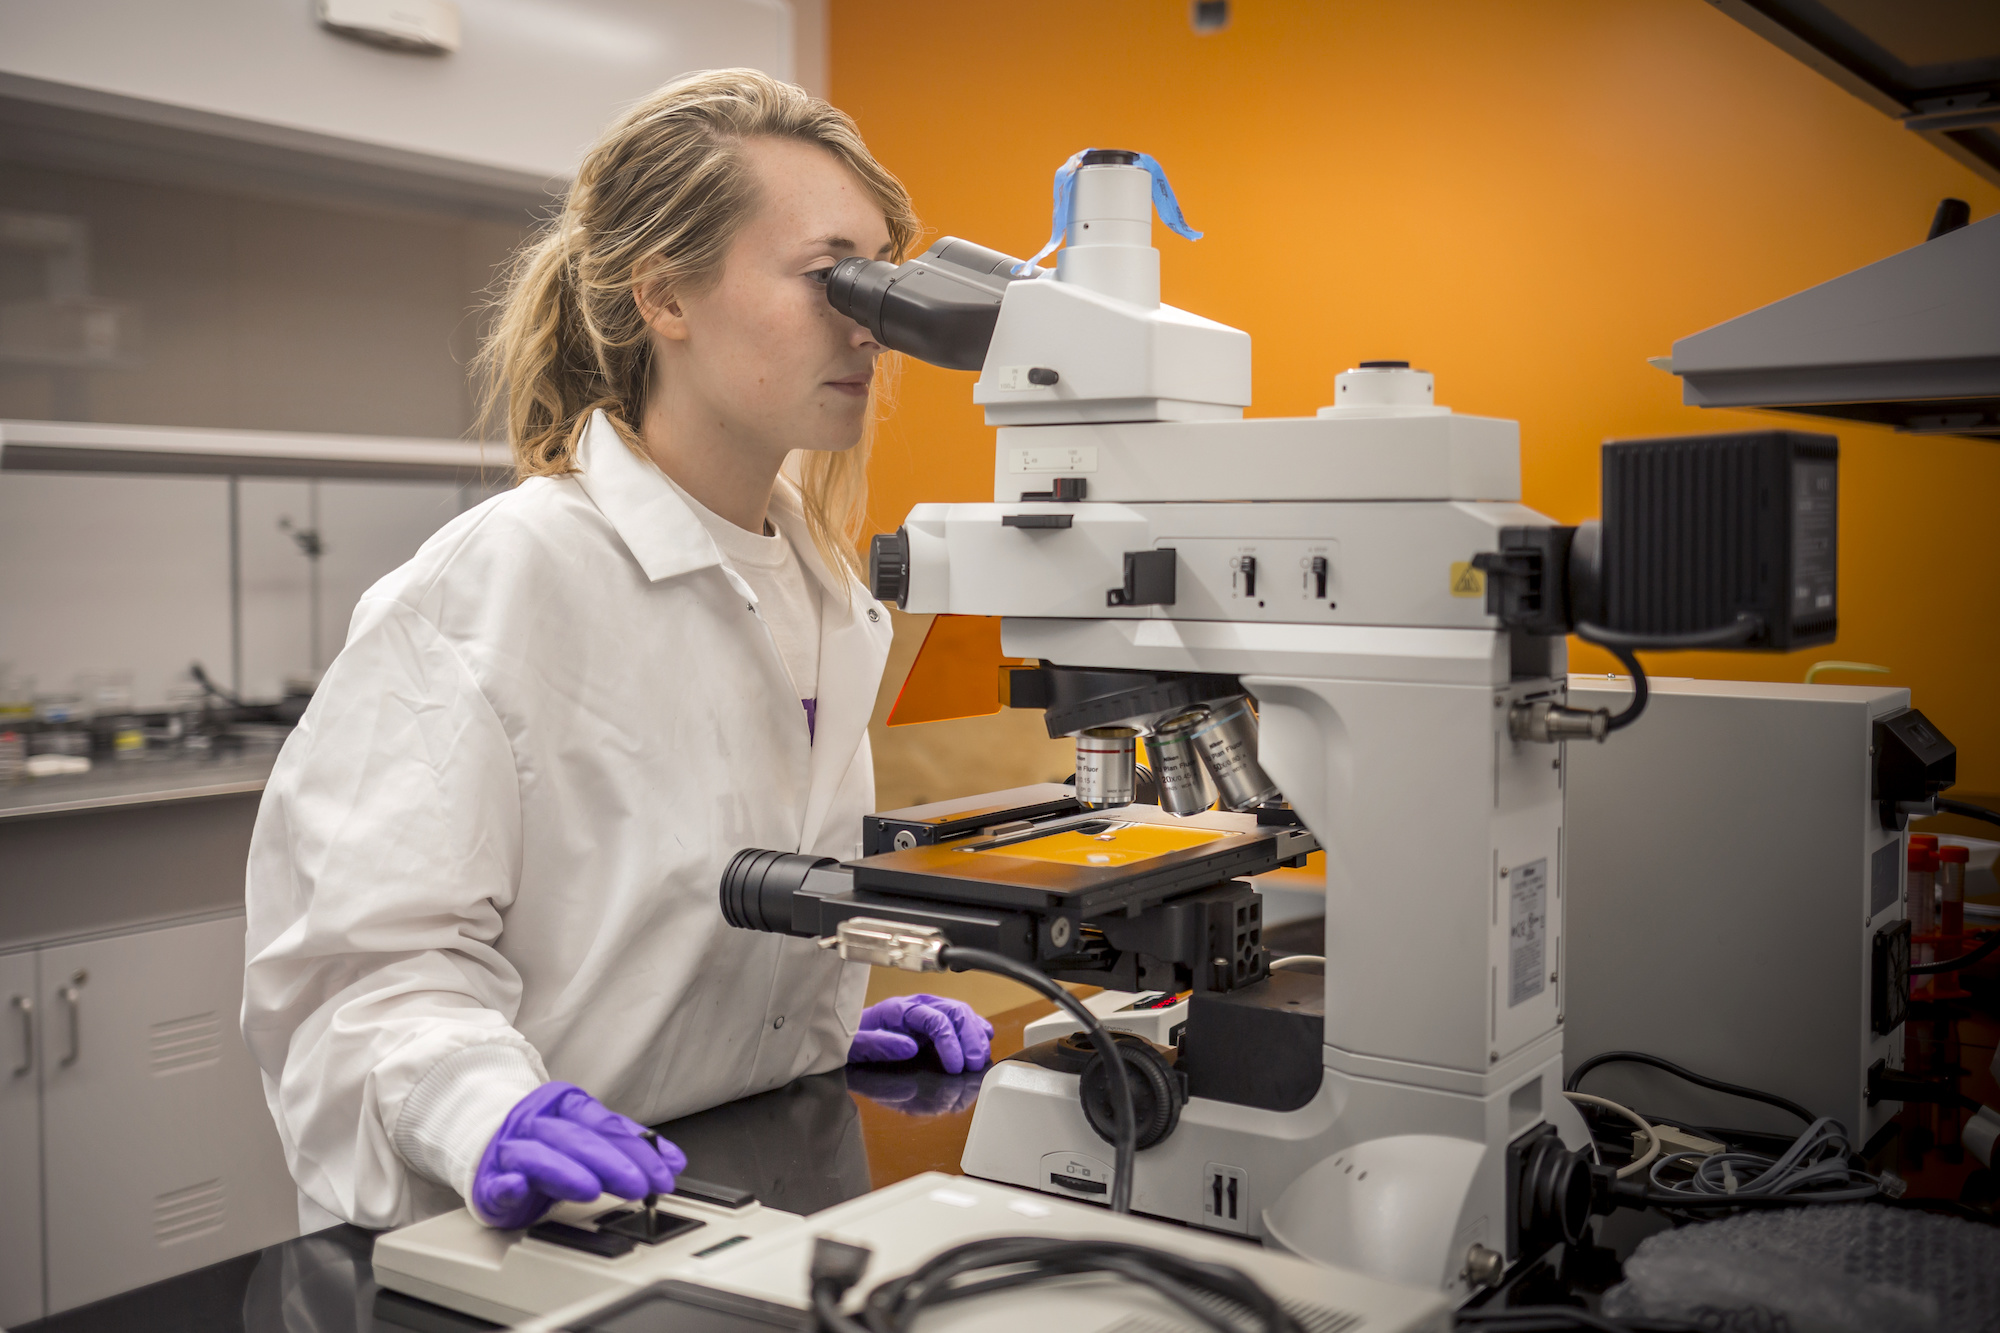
1106 767
1228 744
1184 788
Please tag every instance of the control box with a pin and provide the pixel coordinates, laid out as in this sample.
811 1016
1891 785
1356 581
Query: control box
1730 882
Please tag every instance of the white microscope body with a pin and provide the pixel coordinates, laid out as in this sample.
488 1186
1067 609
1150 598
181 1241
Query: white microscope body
1326 562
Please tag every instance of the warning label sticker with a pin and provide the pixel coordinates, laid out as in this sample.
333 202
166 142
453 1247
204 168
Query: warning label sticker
1467 581
1527 931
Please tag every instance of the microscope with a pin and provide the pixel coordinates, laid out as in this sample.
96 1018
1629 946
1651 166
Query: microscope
1340 632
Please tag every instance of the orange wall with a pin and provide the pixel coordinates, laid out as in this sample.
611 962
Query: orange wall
1528 199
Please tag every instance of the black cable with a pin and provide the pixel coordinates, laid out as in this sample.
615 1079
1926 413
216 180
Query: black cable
201 679
1740 630
826 1309
1640 693
1964 960
1125 1119
1969 810
1625 646
1555 1318
1215 1295
1699 1080
1701 1202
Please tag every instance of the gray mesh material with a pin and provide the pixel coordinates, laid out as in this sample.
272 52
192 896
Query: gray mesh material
1837 1268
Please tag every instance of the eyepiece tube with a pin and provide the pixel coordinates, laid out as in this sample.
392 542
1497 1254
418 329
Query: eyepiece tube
940 307
856 287
779 891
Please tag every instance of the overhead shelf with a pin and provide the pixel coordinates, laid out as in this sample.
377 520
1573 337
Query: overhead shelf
75 446
1911 341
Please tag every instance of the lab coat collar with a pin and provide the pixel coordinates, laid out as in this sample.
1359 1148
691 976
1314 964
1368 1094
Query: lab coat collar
647 513
667 540
654 521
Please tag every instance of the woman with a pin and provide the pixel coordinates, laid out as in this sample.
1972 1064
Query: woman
482 887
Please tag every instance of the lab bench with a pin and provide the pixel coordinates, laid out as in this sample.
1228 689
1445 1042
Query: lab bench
134 1139
803 1147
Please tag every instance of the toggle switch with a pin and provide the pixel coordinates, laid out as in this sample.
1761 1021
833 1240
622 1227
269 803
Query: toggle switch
1316 571
1246 567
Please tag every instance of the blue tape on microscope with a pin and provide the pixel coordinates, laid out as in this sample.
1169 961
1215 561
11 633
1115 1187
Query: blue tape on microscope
1163 200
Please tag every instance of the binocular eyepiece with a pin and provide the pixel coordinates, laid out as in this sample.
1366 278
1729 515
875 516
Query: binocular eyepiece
940 307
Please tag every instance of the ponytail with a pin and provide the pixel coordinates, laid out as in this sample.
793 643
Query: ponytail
658 200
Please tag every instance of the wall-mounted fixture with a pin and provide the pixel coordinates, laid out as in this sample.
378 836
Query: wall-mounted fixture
430 27
1910 341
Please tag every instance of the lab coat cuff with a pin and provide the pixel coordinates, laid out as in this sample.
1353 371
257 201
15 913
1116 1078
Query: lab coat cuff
456 1108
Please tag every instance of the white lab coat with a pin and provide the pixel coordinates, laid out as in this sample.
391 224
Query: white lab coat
505 816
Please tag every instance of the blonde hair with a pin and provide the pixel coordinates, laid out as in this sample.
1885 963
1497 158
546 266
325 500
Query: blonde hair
657 202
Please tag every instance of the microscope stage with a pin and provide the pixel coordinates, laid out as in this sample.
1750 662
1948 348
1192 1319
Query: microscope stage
1092 864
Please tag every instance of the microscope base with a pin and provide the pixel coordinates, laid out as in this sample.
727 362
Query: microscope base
1390 1179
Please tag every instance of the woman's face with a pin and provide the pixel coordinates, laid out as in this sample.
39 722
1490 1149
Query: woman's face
759 359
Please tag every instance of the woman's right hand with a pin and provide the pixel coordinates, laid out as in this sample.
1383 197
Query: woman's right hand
559 1142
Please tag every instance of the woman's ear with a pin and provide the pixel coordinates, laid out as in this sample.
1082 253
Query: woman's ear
660 310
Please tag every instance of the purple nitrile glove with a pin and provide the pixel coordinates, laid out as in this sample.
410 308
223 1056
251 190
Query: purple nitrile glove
896 1029
559 1142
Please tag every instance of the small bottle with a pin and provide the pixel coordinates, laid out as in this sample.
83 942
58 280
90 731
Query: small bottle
1920 897
112 716
1951 888
1920 907
62 728
187 715
17 697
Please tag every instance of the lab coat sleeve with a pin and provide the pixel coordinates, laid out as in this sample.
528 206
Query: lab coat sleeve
385 857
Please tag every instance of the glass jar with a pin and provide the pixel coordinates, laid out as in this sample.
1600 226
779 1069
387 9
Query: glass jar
1951 888
111 715
62 728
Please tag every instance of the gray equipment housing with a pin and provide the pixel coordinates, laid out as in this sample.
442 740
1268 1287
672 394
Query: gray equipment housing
1911 341
1727 873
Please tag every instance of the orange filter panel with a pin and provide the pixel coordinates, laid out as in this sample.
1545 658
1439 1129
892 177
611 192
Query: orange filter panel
1118 845
956 674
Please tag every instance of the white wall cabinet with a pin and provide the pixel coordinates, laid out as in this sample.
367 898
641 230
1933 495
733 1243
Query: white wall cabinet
20 1145
530 86
158 1155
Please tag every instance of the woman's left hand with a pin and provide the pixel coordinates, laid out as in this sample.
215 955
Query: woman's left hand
898 1027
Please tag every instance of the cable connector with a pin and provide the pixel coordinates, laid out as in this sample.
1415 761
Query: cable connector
880 943
1545 722
1893 1085
1674 1140
838 1264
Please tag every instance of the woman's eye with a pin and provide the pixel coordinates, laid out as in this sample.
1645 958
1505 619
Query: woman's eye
821 275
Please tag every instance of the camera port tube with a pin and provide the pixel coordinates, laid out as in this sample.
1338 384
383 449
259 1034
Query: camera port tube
1176 760
1228 745
1106 767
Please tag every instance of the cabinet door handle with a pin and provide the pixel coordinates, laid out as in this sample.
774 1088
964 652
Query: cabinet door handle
71 994
26 1007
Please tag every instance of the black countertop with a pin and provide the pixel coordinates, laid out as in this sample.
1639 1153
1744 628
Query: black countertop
803 1147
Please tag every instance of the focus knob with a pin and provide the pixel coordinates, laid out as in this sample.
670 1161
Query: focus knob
1158 1089
889 566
